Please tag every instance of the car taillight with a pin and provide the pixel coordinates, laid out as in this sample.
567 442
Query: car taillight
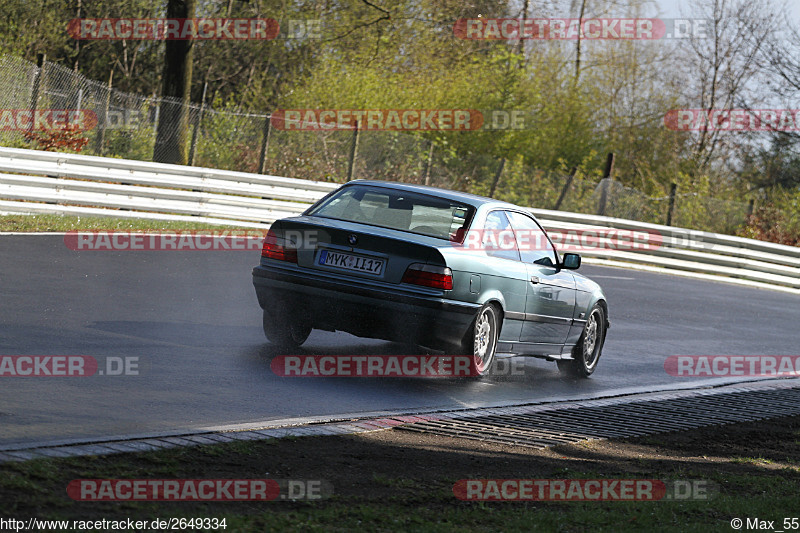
438 277
273 249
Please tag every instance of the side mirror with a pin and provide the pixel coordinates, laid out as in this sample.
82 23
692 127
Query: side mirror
571 261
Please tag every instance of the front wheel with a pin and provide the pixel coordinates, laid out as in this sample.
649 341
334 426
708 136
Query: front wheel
587 351
284 332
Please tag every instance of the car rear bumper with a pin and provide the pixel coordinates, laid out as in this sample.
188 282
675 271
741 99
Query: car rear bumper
363 310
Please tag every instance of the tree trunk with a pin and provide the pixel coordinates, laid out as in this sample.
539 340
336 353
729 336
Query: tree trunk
173 126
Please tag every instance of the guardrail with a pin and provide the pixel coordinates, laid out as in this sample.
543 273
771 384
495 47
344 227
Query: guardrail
49 182
684 251
100 186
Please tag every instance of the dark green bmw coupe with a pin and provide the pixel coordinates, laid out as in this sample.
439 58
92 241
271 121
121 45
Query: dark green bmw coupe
442 269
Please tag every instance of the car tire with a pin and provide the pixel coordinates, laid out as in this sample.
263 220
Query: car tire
586 352
284 332
481 341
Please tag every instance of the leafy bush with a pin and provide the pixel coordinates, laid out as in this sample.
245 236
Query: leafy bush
67 138
774 225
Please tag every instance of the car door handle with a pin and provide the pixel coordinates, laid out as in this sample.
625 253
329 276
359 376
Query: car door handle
534 279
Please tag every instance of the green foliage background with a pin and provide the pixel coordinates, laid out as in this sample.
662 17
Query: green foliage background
402 54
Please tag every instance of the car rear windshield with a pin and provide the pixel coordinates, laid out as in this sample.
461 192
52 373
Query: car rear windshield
396 209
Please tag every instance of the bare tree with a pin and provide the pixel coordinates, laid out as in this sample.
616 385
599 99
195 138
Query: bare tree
782 57
777 166
724 61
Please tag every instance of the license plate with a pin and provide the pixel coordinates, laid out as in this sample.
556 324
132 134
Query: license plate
358 263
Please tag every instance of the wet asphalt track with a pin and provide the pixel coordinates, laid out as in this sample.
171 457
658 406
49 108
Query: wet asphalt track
192 320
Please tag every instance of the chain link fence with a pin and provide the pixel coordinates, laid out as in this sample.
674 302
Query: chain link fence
711 214
124 125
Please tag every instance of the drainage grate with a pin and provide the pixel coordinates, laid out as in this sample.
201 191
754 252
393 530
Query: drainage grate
631 419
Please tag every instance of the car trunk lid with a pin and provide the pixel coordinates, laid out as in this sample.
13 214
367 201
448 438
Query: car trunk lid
356 250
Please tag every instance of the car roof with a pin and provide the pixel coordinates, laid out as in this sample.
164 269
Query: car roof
463 197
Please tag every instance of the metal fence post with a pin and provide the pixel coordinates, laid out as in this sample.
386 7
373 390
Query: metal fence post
156 112
262 158
605 184
566 188
36 89
496 179
601 208
429 163
100 140
351 163
671 209
195 130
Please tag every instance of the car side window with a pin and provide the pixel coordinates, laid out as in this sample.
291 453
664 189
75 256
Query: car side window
497 237
534 246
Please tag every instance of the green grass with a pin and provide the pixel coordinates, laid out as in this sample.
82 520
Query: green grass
752 460
426 509
37 488
62 223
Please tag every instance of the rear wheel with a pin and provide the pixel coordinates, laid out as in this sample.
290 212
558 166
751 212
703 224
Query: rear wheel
587 351
283 331
481 340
